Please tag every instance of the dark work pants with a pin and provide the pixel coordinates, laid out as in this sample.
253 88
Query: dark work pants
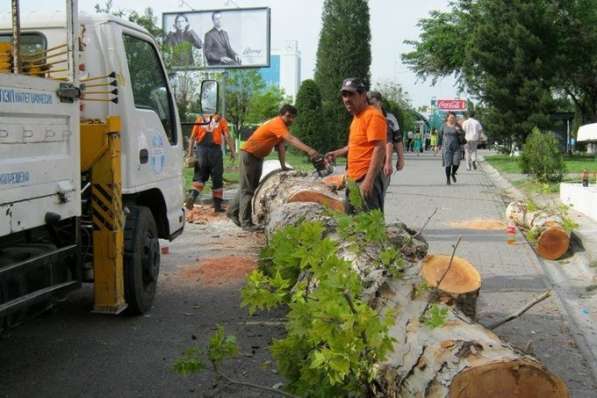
210 162
374 201
250 172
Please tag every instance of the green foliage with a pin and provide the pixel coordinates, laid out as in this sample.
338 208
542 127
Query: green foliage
541 157
190 362
435 316
344 51
533 234
265 104
309 125
354 195
241 86
568 222
517 57
221 346
333 337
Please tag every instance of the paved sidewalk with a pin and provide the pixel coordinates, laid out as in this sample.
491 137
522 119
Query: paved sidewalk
512 274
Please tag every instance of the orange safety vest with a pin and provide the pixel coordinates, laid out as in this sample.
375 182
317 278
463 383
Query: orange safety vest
218 127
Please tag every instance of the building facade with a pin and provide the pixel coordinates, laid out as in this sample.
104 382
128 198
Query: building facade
285 69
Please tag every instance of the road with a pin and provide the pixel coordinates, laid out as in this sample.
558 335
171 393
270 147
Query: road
71 352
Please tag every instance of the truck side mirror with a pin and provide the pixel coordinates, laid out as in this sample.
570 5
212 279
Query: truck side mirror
209 96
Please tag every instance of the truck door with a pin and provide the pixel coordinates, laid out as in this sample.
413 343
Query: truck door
154 122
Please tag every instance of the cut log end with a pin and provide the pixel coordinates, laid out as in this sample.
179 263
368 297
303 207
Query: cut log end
337 182
462 278
553 243
317 197
516 379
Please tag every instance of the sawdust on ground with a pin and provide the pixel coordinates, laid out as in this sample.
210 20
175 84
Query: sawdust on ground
220 271
480 224
202 214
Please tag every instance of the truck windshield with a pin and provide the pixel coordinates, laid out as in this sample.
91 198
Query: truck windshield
31 43
148 81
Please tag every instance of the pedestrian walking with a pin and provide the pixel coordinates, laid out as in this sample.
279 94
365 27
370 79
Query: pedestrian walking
452 138
393 139
472 133
434 140
273 133
410 141
418 145
208 134
366 146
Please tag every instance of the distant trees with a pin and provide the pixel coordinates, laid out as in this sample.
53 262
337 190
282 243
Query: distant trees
521 58
344 51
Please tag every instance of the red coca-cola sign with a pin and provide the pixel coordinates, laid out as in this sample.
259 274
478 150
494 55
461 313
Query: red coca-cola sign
451 105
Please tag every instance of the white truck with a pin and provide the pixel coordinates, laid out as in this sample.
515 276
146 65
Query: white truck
90 162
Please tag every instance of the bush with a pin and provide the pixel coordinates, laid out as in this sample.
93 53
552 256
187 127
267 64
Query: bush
541 157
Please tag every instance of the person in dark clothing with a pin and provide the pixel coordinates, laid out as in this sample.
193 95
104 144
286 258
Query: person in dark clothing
217 45
209 135
181 41
450 141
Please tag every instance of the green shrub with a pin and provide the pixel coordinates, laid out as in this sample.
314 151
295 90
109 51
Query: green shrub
541 157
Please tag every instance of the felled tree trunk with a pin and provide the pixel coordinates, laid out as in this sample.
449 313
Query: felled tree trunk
453 358
550 238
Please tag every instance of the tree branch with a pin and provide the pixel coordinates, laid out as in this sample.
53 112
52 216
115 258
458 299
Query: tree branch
521 311
251 385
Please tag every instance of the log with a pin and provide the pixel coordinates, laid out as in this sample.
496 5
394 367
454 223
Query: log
458 358
552 240
281 187
460 285
337 182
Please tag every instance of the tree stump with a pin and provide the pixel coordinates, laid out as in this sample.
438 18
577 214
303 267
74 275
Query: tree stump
549 238
457 358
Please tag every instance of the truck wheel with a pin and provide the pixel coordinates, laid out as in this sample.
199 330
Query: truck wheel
141 259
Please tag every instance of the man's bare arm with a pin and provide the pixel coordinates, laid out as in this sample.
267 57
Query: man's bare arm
295 142
282 155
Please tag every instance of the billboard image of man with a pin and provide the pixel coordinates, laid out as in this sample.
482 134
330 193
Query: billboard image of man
217 48
182 40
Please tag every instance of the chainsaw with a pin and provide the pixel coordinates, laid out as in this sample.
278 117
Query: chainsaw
322 167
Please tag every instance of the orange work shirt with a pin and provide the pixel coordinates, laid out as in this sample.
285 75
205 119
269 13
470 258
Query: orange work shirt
268 135
218 127
366 128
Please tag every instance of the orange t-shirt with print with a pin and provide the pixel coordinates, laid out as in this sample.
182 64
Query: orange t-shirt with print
366 128
268 135
218 127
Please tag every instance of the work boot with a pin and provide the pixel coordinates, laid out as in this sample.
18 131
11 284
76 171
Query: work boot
218 206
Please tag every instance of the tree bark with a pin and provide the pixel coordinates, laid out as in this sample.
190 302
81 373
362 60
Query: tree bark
456 358
550 239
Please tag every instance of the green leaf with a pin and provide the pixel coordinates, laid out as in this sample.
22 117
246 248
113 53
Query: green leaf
189 362
435 316
221 346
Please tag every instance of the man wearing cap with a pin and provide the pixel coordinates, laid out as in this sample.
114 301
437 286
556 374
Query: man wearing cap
273 133
393 139
366 145
208 135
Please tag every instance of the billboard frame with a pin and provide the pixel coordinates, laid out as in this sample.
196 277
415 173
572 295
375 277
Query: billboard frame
176 68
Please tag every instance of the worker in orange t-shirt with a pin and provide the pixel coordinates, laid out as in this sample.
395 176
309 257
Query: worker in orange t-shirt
366 146
208 134
273 133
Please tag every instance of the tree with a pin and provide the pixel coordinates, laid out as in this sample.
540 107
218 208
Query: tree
397 102
308 124
344 51
502 52
265 104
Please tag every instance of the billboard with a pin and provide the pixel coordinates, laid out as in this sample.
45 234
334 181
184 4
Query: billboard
217 39
454 105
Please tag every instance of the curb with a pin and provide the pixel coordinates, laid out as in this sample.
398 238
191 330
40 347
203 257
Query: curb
559 280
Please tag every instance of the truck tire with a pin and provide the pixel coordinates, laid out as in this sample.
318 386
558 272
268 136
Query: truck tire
141 259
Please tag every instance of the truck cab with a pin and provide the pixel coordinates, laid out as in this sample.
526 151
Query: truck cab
90 162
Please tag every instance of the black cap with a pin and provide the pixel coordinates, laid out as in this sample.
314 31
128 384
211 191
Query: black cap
353 84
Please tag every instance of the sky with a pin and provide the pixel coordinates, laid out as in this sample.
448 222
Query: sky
392 22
